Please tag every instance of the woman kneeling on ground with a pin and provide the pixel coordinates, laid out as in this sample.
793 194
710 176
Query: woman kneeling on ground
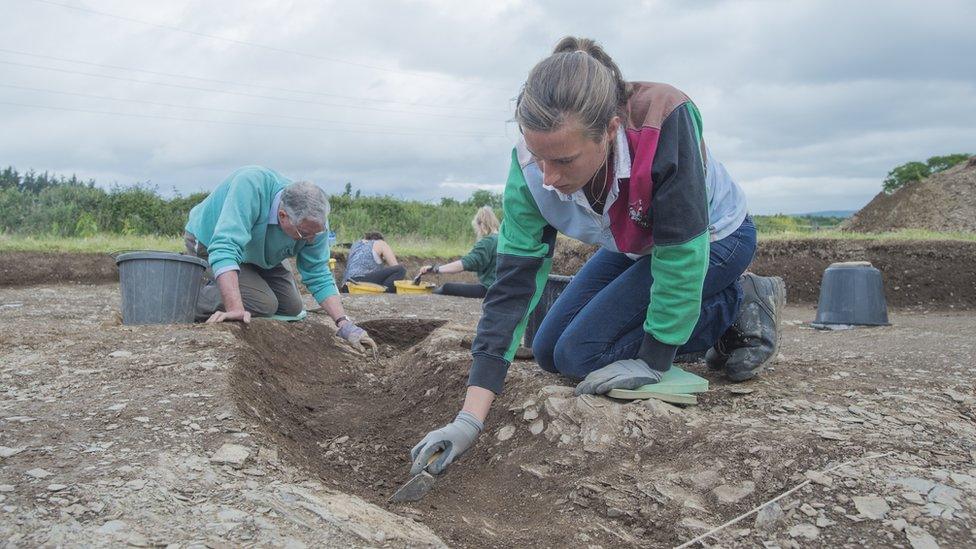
621 165
366 261
480 260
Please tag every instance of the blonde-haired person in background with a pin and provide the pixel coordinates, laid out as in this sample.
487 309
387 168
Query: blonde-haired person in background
622 165
480 260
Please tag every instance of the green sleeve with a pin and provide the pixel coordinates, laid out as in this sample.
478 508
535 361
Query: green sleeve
525 245
679 259
232 232
678 272
478 257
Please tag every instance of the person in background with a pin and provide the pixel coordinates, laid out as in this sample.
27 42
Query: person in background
480 260
245 229
622 165
372 260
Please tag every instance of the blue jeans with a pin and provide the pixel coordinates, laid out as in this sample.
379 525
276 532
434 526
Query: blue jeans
599 317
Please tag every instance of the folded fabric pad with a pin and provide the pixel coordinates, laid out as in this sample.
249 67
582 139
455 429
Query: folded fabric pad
676 386
286 318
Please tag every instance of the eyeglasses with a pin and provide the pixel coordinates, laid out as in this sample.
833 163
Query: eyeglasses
304 237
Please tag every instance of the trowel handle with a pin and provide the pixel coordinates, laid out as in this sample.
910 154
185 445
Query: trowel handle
433 457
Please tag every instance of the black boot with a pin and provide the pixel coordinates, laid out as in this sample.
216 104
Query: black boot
753 339
718 355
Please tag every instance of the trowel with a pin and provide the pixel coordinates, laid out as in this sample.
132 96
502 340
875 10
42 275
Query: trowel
416 279
417 487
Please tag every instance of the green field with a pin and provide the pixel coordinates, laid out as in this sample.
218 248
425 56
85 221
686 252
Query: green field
407 246
44 212
108 243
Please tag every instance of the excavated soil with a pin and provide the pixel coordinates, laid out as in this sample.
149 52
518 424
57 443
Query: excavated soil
111 435
932 274
945 201
557 470
940 275
935 274
34 268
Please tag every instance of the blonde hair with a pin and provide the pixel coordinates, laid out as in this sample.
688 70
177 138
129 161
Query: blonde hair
579 80
485 222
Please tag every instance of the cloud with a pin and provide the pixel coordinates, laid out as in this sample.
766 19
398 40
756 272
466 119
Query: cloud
792 195
806 102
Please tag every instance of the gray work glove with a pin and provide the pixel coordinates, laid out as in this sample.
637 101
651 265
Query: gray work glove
454 439
357 337
622 374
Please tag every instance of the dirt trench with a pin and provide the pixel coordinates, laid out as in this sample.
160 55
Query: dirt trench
550 466
352 421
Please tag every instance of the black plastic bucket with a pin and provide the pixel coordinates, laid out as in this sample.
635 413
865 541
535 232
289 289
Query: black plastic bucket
554 286
852 293
159 287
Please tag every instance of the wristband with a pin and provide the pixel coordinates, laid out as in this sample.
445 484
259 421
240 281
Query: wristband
436 269
340 319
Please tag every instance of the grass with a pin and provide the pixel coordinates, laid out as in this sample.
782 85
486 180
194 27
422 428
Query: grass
408 245
425 247
901 234
102 243
108 243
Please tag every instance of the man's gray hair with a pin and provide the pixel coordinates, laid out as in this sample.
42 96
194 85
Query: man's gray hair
303 200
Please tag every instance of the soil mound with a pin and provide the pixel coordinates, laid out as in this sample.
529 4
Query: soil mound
945 201
553 466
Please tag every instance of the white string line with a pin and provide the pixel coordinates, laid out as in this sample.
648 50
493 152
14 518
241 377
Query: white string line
774 500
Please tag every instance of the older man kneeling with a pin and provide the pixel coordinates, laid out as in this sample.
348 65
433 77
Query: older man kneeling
246 228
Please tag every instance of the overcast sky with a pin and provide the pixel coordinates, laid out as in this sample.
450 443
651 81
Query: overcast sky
808 103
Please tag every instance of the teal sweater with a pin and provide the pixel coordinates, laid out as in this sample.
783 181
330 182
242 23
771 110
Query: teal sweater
233 224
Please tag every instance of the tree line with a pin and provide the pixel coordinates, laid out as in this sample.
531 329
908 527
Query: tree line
35 203
917 171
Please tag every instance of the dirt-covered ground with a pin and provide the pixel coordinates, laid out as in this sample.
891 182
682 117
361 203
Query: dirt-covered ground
112 434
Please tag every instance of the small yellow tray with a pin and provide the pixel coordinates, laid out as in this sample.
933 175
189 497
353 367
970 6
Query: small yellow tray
365 288
408 287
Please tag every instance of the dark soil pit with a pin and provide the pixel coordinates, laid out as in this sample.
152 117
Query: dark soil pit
602 472
401 333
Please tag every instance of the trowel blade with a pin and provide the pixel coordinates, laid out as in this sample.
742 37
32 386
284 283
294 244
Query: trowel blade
415 488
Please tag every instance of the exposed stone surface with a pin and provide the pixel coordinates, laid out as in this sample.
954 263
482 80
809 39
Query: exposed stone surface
872 507
769 517
231 454
734 493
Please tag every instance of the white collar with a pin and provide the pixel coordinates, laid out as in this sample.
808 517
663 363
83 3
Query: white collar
275 203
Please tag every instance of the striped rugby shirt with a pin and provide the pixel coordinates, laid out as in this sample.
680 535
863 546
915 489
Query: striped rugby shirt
669 199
